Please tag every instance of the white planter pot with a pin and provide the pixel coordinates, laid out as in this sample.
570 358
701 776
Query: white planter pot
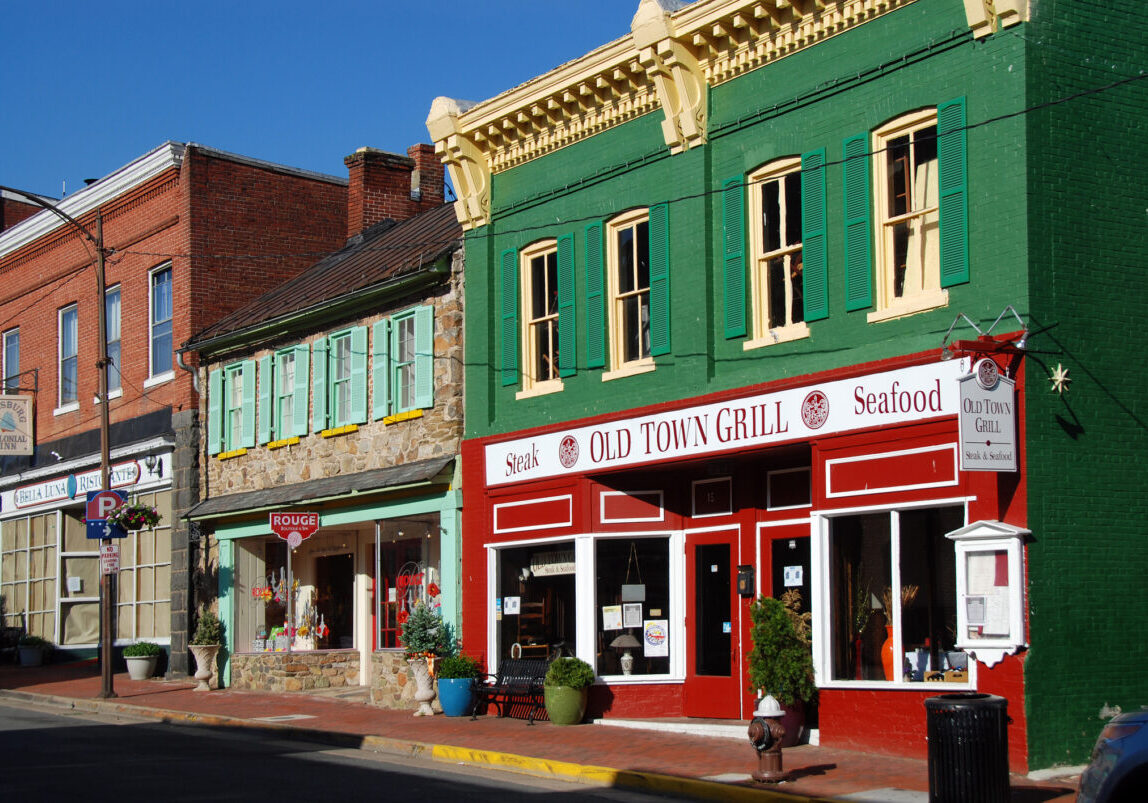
205 664
141 667
31 656
424 686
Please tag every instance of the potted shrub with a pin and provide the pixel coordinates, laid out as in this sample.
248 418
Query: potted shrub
205 647
566 689
781 662
32 650
456 677
425 637
141 659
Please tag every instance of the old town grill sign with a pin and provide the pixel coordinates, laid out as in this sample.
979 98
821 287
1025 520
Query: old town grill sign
987 420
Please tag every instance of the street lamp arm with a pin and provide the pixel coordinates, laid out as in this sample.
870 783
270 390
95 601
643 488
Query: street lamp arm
60 213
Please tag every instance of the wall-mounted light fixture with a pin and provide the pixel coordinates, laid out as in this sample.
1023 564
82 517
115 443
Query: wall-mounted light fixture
154 465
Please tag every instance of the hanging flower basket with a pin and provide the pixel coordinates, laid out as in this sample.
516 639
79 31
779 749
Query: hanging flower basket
134 517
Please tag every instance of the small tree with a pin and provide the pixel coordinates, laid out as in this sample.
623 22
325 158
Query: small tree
208 631
425 635
781 662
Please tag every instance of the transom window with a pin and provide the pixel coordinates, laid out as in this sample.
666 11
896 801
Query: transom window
908 237
69 343
775 237
628 255
540 315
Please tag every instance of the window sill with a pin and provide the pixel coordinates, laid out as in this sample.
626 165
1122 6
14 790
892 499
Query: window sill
540 389
231 454
112 394
398 418
159 379
630 369
633 680
922 302
335 432
783 334
890 685
279 444
70 407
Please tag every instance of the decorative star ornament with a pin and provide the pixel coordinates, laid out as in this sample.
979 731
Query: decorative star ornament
1059 379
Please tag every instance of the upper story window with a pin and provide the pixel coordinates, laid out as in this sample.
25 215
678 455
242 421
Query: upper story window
284 381
283 387
68 346
540 346
403 362
160 331
11 368
340 379
231 407
339 355
776 275
907 206
628 272
112 330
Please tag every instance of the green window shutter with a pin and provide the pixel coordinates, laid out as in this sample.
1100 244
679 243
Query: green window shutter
815 270
266 399
567 343
215 412
660 279
381 368
358 375
298 421
510 317
319 391
424 356
733 254
858 257
595 300
247 436
952 155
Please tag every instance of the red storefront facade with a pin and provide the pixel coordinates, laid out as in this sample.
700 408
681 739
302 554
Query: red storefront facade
844 485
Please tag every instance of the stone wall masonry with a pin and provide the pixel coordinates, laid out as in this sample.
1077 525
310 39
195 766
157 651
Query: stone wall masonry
393 683
295 671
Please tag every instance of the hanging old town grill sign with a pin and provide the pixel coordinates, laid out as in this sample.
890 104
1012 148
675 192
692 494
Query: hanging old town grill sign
905 395
987 420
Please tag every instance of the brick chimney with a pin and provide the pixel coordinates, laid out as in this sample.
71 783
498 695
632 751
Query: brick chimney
386 185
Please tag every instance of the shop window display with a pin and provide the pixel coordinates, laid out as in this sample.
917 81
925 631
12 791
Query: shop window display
536 601
407 560
891 571
633 606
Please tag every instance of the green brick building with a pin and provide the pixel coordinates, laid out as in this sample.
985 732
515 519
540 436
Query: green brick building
722 258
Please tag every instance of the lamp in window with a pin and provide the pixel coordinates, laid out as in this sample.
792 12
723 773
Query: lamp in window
626 642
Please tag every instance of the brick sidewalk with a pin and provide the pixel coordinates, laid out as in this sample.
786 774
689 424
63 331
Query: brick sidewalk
632 757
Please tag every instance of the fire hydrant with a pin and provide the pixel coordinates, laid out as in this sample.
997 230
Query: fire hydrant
765 735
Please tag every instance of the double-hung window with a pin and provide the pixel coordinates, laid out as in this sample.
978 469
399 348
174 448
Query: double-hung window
403 362
283 388
544 311
231 407
160 331
112 330
540 317
11 372
340 379
776 274
629 272
68 348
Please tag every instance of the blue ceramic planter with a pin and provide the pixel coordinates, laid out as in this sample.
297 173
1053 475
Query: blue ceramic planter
456 696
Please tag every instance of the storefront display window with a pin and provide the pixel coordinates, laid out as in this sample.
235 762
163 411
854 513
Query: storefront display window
408 568
632 590
892 591
535 603
144 585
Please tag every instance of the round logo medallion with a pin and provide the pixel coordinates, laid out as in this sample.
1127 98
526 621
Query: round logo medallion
568 451
815 410
987 374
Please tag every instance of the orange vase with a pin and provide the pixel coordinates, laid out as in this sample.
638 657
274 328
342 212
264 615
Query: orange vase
887 653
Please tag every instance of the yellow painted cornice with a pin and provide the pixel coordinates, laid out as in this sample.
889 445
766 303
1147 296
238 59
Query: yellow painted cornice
673 54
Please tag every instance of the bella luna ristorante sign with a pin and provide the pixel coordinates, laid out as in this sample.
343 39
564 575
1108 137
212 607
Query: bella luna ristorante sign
16 425
892 397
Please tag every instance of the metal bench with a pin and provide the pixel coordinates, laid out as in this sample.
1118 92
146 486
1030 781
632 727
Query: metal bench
519 682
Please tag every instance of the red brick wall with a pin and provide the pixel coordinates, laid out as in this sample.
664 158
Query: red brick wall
13 211
380 185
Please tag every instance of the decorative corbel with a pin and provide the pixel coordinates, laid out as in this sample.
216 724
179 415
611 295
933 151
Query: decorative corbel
989 16
467 164
675 72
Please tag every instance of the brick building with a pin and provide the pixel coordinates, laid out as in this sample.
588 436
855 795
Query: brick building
787 294
339 393
188 231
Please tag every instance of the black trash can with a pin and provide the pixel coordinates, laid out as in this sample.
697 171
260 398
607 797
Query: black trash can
968 748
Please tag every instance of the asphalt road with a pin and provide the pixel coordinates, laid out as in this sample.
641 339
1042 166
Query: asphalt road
49 754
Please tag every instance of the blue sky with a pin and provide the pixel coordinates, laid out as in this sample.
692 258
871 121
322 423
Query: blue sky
86 87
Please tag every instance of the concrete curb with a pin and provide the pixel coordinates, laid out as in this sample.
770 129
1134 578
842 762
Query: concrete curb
508 762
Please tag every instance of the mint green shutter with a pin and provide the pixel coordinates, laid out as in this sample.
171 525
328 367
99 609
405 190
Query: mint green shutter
424 356
595 300
298 421
215 412
266 399
509 262
660 279
952 155
858 259
358 375
247 435
733 255
567 343
381 368
319 386
813 248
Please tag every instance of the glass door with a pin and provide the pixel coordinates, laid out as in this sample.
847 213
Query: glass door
713 665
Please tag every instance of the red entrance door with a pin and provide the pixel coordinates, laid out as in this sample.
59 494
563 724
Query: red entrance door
713 664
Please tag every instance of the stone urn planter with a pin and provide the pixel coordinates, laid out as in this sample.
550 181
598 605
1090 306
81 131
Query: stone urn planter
205 655
424 686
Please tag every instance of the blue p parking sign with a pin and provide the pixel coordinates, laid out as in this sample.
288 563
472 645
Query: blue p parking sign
99 505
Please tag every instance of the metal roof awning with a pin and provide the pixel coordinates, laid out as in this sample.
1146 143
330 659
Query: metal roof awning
327 489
